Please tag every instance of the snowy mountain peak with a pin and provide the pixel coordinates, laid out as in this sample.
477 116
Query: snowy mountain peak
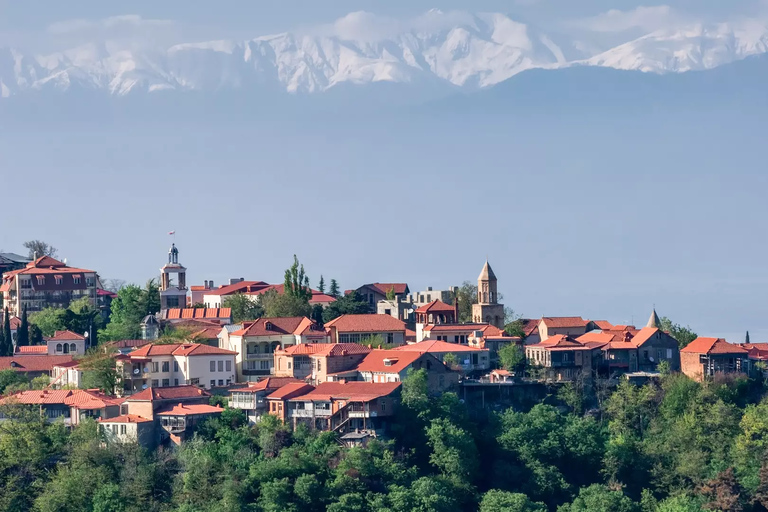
454 48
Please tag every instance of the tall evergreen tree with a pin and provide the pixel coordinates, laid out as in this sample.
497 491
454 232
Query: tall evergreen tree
22 336
746 339
297 282
334 291
7 339
321 285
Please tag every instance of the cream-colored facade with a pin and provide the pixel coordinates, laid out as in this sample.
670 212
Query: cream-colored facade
488 309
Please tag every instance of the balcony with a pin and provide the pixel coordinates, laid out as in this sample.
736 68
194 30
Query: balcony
309 413
243 403
253 356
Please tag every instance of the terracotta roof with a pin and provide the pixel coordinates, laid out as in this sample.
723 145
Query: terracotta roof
208 333
65 336
383 288
366 323
398 361
603 324
564 321
169 393
195 313
290 390
501 372
32 349
32 362
559 341
125 418
436 306
179 349
436 346
91 399
106 293
486 329
38 397
277 326
530 326
270 383
325 349
188 410
713 346
129 343
758 346
241 287
47 265
350 391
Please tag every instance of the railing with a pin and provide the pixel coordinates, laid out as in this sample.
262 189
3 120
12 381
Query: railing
340 419
242 404
251 356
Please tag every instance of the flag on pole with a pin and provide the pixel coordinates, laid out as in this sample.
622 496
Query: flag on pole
171 232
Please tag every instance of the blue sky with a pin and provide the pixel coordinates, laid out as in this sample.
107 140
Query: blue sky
596 213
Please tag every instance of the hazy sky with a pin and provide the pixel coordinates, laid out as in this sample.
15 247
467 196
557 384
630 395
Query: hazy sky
596 214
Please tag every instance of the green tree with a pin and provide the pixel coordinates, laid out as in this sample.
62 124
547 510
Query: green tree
321 285
22 336
334 289
391 293
284 305
243 307
10 378
108 499
599 498
454 451
503 501
467 295
349 304
512 356
7 339
129 309
297 282
450 360
99 371
38 249
683 335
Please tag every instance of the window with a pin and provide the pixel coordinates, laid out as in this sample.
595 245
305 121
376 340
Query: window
390 338
175 382
265 365
289 365
221 366
114 429
213 383
229 365
195 382
155 367
76 279
229 381
122 429
58 282
166 366
89 281
58 347
40 282
221 382
166 383
669 353
72 347
383 405
155 383
175 366
213 366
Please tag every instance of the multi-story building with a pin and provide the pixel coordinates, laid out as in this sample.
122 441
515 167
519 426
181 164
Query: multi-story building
394 365
345 406
374 292
566 325
252 398
423 298
706 357
47 282
361 328
631 350
173 282
468 359
33 365
65 342
563 358
10 261
256 342
456 333
161 366
316 361
253 290
67 405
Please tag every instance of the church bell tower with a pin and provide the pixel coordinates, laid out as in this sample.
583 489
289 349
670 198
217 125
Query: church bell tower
173 282
488 310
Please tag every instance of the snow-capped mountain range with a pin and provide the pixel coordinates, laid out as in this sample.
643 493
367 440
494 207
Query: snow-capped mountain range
467 51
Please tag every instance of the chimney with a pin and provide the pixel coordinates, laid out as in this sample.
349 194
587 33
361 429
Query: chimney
456 308
429 288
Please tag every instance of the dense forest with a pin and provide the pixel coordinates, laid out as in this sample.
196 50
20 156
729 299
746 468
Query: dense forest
671 446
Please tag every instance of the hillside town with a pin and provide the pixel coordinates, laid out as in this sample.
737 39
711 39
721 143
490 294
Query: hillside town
339 367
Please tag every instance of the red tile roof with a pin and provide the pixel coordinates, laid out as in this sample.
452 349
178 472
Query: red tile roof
383 288
32 349
325 349
398 361
295 325
65 336
530 326
438 347
180 349
91 399
169 393
270 383
196 313
39 397
350 391
125 418
290 390
32 363
436 306
486 329
241 287
188 410
367 323
564 321
603 324
129 343
47 265
713 346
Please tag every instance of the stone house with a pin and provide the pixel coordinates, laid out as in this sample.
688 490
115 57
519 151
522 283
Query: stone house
563 358
359 328
469 359
394 366
252 398
705 357
315 361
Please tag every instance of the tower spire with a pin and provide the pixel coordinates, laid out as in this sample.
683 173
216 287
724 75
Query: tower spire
654 320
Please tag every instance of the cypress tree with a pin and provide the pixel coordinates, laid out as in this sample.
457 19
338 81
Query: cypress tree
746 340
321 285
334 291
22 336
7 339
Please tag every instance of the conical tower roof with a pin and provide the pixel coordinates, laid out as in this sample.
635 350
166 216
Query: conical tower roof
654 320
487 273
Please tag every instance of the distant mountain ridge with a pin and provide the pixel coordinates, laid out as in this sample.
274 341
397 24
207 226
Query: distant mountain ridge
469 52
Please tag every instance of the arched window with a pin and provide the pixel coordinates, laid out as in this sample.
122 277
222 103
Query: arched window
58 347
66 348
485 296
72 347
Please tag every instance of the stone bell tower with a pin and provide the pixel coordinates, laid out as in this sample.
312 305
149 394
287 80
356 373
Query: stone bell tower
488 310
173 282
